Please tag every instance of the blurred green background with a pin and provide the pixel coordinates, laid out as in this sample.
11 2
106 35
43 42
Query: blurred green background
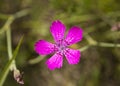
99 66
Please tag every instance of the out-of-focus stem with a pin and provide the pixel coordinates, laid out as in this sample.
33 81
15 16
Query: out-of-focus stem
90 40
84 48
103 44
11 18
93 42
16 72
9 47
36 60
7 24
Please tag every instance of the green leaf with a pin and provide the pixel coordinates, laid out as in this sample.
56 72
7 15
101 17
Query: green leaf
7 66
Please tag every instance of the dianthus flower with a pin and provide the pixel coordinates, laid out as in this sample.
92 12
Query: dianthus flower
60 47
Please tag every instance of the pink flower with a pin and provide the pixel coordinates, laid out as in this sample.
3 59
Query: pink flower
60 47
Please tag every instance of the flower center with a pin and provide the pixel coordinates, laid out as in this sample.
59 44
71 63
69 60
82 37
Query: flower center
61 46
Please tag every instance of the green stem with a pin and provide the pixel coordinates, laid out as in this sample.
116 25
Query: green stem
7 24
9 47
93 42
36 60
103 44
6 69
11 18
84 48
90 40
21 13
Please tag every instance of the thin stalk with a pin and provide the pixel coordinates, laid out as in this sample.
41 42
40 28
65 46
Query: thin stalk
93 42
11 18
9 49
6 69
36 60
103 44
90 40
7 24
84 48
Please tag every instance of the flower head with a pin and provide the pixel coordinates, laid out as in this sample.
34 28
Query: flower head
60 47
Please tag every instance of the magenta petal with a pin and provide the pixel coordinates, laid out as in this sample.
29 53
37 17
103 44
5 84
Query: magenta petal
43 47
75 35
55 61
72 56
58 30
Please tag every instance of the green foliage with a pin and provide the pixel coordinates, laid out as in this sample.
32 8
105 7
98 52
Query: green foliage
100 62
6 69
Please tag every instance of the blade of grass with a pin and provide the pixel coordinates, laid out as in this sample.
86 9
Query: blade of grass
7 66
